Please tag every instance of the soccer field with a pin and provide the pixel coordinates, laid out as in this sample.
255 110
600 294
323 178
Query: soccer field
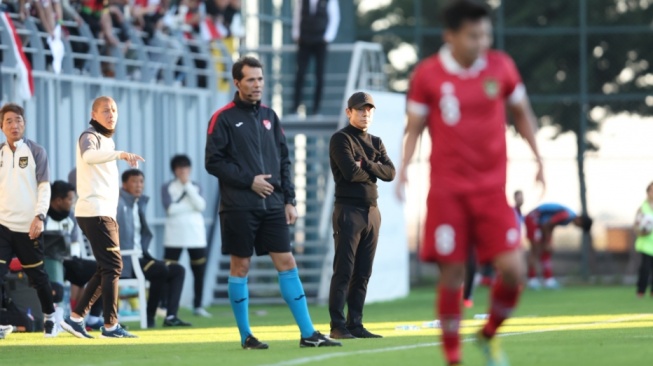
572 326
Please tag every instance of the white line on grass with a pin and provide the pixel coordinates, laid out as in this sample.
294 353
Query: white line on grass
305 360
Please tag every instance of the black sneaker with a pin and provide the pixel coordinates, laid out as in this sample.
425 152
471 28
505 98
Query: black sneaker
175 322
78 329
318 340
49 329
341 333
252 343
119 332
361 332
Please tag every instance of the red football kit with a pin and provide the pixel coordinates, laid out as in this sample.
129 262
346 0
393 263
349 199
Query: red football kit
466 116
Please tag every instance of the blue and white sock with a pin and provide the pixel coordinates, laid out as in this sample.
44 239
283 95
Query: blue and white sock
239 299
292 292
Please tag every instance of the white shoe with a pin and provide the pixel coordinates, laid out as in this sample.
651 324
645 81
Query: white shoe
201 312
551 284
534 284
5 330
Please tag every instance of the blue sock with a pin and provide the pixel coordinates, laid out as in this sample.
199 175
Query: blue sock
293 293
239 299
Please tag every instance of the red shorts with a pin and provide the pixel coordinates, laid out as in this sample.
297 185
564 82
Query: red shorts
455 221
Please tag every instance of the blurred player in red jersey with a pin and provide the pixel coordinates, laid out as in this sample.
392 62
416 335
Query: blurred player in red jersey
461 94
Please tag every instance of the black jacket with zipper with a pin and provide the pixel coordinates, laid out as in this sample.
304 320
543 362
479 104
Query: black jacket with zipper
245 140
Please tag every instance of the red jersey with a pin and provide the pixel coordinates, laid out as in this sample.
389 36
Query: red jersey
465 112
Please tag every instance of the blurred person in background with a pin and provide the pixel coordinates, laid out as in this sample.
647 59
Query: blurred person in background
315 25
644 242
184 227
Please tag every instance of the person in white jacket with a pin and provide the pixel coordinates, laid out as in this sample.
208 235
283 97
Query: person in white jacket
184 227
98 189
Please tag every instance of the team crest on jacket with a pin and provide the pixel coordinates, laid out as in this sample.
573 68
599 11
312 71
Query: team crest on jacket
491 88
22 162
267 124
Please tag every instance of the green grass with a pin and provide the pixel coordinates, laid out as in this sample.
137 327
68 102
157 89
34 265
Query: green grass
573 326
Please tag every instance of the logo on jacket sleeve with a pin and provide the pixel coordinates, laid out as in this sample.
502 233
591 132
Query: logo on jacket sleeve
267 124
22 162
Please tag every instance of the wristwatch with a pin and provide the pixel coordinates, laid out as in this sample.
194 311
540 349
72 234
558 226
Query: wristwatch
291 201
41 217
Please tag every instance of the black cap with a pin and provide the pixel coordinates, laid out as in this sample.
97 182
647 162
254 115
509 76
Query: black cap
360 99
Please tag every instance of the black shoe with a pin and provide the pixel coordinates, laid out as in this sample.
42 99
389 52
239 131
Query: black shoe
361 332
175 322
252 343
119 332
49 329
78 329
341 333
318 340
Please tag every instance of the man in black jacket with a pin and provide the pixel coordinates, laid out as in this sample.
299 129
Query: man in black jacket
358 159
246 149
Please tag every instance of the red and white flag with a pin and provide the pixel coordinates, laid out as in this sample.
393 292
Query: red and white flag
209 30
25 88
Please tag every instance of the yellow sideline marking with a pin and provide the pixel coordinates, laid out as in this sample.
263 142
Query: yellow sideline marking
515 326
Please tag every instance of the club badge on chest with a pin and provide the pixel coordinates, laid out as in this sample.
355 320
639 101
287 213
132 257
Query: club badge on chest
267 124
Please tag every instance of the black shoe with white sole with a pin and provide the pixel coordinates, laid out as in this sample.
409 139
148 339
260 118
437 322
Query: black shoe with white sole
252 342
318 340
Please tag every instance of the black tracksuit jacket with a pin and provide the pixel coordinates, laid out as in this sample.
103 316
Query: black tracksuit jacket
245 140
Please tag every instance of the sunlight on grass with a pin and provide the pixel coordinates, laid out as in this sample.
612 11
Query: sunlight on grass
290 332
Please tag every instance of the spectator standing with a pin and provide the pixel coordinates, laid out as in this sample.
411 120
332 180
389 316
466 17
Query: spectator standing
315 25
185 227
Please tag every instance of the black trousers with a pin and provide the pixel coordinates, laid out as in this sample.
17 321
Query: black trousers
305 52
78 272
645 276
102 233
355 234
197 265
162 277
30 254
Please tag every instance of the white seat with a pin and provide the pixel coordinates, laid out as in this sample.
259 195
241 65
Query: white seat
139 283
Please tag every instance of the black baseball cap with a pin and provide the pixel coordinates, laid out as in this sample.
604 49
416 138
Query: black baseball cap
360 99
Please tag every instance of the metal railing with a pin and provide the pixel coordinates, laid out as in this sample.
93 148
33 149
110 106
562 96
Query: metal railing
173 59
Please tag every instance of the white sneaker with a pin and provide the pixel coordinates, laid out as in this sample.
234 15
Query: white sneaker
551 284
5 330
201 312
534 283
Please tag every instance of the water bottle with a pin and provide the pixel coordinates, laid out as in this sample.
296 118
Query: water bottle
431 324
407 327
